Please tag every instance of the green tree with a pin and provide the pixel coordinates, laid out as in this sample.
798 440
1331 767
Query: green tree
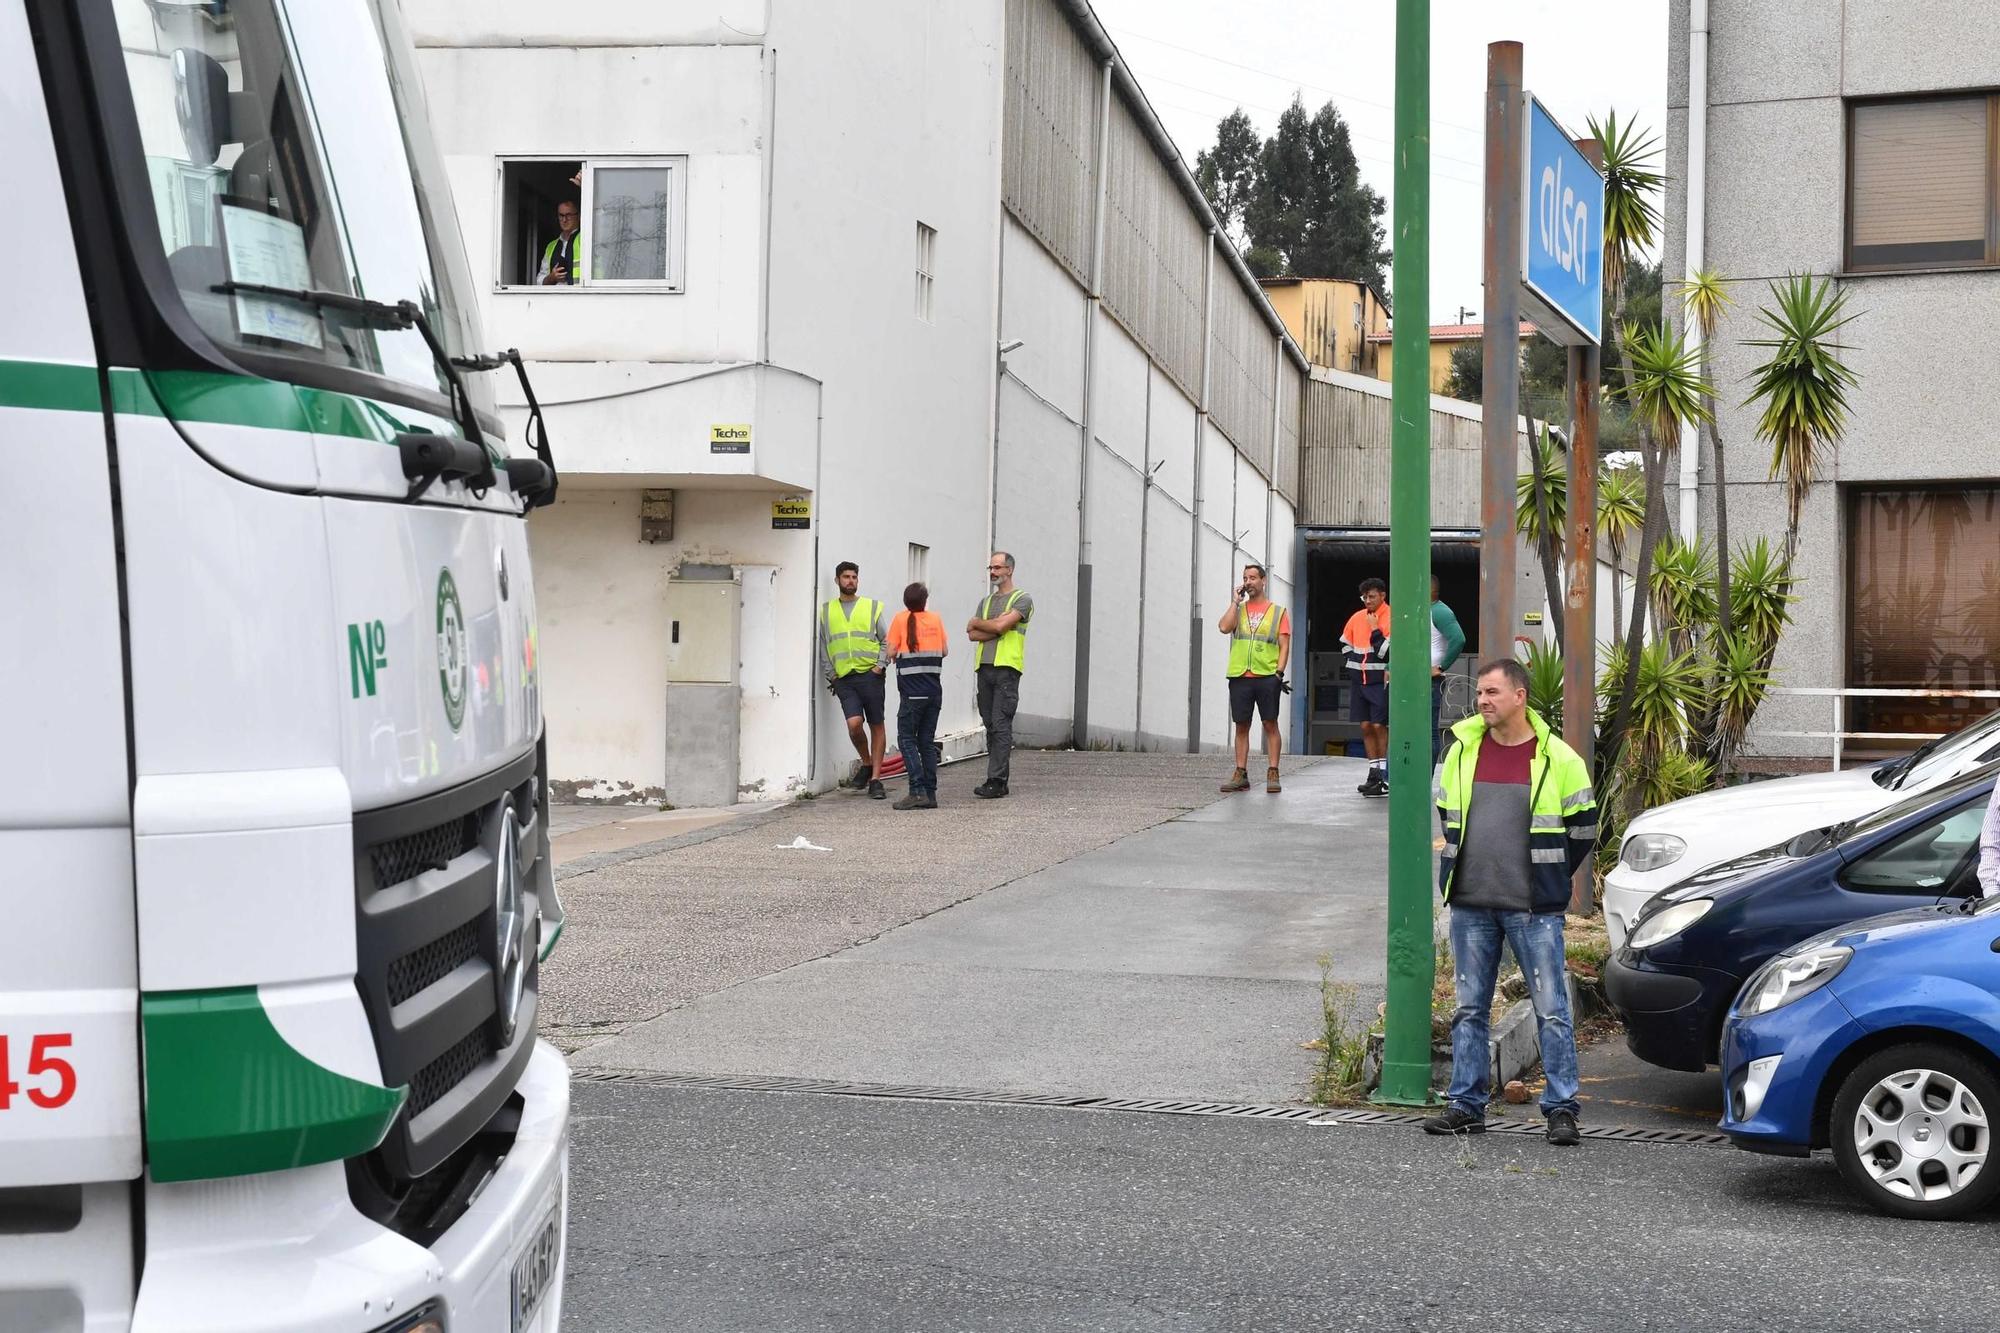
1803 387
1227 173
1298 197
1467 379
1704 298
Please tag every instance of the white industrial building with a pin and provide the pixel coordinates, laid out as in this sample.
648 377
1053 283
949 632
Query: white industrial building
935 277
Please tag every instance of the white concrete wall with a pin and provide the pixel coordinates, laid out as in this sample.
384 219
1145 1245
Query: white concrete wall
604 631
882 124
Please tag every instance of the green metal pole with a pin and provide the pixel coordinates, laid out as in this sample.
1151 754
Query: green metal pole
1406 1053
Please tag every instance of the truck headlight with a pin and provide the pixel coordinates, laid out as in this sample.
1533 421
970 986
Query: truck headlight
1789 977
428 1318
1652 851
1663 925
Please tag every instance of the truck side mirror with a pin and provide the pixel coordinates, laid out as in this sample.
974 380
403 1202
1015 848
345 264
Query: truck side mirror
201 98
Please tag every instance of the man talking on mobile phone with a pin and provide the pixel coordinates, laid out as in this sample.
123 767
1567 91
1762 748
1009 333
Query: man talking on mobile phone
1260 644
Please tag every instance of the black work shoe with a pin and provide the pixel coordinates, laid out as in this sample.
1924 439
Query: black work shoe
1373 787
1456 1120
911 802
1562 1130
857 779
990 790
875 792
929 801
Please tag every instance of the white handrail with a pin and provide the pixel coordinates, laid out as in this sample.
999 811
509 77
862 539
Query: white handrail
1840 735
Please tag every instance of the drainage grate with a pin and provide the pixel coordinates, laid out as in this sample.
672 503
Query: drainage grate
1152 1105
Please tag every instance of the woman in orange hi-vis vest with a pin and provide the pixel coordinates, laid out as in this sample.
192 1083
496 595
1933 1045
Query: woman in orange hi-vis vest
917 645
1366 640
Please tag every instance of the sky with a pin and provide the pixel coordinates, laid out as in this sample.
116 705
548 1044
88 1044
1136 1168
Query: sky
1198 60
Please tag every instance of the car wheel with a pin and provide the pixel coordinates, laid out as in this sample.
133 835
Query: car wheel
1912 1131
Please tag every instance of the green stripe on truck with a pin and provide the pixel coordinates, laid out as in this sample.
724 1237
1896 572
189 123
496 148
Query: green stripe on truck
226 1095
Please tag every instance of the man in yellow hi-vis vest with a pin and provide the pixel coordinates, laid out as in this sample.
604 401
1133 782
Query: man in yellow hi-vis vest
1260 646
1001 631
559 256
852 660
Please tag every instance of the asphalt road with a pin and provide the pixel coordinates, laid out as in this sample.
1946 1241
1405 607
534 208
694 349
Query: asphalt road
723 1211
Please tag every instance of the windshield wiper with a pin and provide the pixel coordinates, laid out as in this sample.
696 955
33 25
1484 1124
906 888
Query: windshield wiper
533 479
1903 767
426 457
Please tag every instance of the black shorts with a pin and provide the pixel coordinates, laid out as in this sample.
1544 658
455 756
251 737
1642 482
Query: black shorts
1368 701
1247 692
860 695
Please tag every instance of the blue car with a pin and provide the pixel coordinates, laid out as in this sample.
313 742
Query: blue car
1880 1040
1693 947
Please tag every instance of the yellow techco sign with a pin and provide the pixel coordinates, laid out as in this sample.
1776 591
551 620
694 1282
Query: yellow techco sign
794 511
729 439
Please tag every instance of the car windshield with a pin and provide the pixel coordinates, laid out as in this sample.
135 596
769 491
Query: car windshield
1937 797
1938 759
286 146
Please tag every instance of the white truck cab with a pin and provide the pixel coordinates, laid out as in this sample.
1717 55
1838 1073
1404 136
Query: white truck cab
273 825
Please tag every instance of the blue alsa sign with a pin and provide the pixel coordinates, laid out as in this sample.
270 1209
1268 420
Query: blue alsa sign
1562 233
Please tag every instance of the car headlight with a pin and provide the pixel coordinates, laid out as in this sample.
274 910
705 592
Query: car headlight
1652 851
1790 976
1668 922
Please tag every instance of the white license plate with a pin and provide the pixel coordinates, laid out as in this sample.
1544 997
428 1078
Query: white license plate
535 1271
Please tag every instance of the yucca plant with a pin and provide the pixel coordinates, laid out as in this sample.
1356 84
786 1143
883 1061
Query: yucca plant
1632 183
1545 682
1675 774
1803 388
1760 595
1704 299
1666 389
1671 689
1541 508
1741 681
1621 512
1684 596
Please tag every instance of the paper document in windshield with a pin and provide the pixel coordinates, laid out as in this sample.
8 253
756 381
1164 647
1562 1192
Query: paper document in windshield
270 252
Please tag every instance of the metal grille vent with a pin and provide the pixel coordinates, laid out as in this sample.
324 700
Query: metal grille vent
1314 1115
429 849
423 968
446 1072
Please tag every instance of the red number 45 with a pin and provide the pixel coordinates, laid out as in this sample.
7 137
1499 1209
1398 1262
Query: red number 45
40 1062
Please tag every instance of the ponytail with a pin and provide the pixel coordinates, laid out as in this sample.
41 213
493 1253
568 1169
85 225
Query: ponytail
915 598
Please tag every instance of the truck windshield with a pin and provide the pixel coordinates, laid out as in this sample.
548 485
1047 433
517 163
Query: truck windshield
286 146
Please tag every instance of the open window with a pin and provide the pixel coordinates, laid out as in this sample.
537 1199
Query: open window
616 223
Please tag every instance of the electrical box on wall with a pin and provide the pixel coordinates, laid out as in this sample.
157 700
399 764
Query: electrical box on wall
701 632
656 516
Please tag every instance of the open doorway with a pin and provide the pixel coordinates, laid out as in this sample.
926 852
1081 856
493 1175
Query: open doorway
532 194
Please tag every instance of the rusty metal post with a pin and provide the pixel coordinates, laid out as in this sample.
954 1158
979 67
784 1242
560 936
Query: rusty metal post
1580 588
1501 350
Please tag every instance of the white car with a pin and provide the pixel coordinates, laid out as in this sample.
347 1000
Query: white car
1664 846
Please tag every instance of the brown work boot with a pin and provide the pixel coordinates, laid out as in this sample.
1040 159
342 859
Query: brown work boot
1271 781
1239 780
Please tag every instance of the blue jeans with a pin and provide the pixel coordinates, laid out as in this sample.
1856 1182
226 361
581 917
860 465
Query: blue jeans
1537 940
916 737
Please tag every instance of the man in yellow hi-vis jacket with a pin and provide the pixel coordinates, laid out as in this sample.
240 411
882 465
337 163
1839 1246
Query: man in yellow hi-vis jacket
1519 821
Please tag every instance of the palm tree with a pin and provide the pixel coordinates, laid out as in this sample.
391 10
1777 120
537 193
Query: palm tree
1803 387
1666 388
1704 298
1621 510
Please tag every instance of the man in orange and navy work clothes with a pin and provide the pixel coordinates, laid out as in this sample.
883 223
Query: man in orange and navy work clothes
1260 644
1366 640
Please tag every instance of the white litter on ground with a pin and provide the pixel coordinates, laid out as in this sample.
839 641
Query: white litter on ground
800 844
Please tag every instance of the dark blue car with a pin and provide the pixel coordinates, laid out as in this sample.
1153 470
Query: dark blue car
1880 1040
1692 948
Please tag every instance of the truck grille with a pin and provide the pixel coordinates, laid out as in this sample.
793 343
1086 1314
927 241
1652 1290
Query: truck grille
426 876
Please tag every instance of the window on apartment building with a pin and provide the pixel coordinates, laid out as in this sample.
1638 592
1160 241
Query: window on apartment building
1923 606
628 215
1920 183
926 272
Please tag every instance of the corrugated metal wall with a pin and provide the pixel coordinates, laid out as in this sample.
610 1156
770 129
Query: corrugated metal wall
1344 455
1049 168
1291 390
1240 371
1154 249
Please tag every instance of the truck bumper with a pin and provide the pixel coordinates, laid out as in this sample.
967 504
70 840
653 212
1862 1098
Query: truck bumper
287 1252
